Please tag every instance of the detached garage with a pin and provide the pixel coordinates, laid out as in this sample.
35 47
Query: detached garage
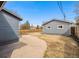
57 27
9 27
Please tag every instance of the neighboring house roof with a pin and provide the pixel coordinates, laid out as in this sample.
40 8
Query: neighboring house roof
56 20
2 3
12 13
8 11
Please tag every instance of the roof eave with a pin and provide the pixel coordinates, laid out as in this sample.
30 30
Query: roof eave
4 10
54 20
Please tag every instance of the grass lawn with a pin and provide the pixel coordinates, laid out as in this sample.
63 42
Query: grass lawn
59 46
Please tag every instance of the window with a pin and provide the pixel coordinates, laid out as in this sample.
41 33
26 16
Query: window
60 27
48 26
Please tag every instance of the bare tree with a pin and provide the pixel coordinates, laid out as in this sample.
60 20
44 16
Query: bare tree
77 10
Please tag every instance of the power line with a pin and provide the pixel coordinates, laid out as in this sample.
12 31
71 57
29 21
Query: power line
61 9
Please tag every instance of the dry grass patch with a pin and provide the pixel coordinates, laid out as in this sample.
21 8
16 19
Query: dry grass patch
25 32
59 46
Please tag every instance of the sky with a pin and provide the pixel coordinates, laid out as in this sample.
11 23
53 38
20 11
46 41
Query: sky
37 12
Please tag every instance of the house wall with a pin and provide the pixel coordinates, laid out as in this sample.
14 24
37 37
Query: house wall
77 30
9 27
54 30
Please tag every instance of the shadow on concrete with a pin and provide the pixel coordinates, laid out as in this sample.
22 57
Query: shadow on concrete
6 50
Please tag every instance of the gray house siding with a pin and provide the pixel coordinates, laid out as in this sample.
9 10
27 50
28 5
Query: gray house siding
13 22
9 27
54 30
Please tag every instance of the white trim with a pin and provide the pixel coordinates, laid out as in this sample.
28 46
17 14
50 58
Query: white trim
60 25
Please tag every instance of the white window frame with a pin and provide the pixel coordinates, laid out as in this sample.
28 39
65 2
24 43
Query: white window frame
60 25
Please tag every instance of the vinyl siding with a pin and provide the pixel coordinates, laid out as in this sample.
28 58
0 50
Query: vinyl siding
9 27
54 30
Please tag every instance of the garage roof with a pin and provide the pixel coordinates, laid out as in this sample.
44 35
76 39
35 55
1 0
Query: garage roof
11 13
8 11
56 20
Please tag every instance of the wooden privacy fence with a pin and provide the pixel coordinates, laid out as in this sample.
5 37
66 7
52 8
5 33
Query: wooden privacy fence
75 32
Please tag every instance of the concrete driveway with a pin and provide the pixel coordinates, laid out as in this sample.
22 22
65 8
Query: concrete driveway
28 47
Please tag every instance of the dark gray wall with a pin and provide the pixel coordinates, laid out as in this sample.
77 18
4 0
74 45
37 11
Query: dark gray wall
9 27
